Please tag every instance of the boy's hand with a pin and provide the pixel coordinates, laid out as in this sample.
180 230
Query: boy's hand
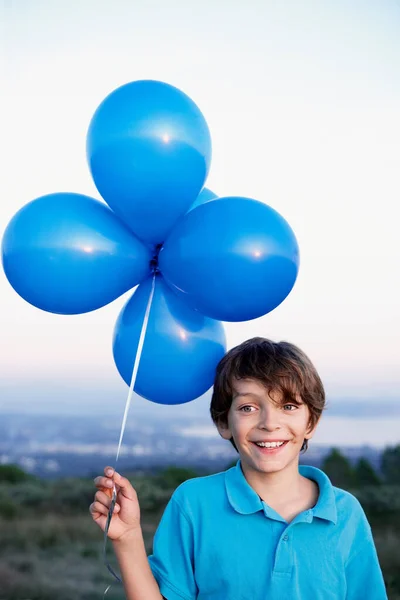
126 515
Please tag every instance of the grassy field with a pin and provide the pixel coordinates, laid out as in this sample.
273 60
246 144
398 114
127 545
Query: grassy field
50 548
47 557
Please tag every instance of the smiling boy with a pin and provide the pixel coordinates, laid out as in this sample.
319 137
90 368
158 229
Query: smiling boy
267 528
267 401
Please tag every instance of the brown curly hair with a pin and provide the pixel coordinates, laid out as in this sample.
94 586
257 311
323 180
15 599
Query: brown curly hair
278 366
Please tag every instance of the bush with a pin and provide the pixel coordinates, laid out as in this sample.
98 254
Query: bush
152 496
172 477
391 465
379 500
28 494
67 495
8 509
365 474
387 541
13 474
339 470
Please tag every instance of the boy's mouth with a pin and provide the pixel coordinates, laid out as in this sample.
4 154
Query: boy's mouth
270 447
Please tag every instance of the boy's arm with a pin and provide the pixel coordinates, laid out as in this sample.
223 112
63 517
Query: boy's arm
137 577
363 573
171 561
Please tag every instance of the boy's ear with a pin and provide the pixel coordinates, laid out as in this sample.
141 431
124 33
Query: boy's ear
310 431
224 431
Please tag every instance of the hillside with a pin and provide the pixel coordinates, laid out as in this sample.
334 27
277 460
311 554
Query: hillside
50 548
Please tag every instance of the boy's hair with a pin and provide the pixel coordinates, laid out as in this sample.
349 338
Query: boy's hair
279 366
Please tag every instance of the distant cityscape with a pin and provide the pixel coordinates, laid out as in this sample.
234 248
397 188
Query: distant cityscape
53 446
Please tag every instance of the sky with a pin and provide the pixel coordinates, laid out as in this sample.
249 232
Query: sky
302 101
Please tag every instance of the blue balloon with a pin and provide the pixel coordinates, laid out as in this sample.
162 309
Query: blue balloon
149 152
181 348
68 254
205 196
233 259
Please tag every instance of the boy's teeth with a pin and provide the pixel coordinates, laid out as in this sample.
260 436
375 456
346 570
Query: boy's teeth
270 444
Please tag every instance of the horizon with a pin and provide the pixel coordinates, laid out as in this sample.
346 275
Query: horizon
346 421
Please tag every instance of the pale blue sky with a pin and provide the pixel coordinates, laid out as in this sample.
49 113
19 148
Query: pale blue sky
302 100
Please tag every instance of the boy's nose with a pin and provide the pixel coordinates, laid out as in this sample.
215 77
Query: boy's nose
269 420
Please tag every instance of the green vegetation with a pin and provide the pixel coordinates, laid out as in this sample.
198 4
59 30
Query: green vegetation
391 465
339 470
13 474
50 548
365 474
379 496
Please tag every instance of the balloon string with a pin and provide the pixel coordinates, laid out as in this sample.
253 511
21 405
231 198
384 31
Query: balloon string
127 405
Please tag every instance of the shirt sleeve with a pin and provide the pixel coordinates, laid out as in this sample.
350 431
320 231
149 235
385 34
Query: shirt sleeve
363 573
172 561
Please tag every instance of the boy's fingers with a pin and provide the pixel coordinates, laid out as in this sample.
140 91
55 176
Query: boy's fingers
103 498
98 509
103 482
125 486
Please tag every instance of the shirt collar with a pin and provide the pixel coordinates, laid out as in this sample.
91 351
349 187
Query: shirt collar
240 494
326 504
245 500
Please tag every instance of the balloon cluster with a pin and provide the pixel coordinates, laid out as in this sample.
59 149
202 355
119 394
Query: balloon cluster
214 259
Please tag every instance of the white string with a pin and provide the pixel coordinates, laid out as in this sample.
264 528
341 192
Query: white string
127 405
136 364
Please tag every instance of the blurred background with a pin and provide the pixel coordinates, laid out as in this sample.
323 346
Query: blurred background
302 103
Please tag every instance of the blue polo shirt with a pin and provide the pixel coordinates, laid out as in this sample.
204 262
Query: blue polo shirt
217 540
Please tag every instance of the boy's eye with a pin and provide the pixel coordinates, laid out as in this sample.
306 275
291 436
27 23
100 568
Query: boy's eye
246 408
289 407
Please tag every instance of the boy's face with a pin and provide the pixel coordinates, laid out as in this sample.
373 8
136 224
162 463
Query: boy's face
256 417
